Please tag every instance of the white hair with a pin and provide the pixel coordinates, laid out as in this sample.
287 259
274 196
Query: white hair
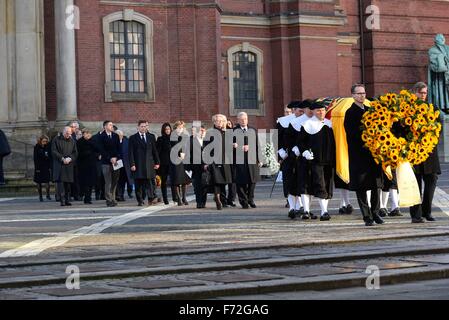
241 114
66 129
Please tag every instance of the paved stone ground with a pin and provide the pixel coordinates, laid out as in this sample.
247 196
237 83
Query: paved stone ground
34 232
423 290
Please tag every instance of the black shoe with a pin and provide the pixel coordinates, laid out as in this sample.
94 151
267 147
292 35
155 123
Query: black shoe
342 210
369 223
383 212
231 203
286 205
184 201
48 198
301 211
130 195
166 202
62 204
139 204
41 199
430 218
68 203
395 213
349 209
292 214
377 219
305 216
312 216
224 205
417 220
87 202
325 217
252 205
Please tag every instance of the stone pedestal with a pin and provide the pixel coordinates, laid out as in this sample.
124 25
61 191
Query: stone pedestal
443 146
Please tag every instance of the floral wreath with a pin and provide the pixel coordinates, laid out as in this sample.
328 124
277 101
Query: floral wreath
417 121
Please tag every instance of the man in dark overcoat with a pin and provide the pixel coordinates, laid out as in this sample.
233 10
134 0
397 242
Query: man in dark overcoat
64 154
144 161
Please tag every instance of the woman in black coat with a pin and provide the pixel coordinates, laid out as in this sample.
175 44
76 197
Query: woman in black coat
221 172
178 176
88 154
163 146
42 166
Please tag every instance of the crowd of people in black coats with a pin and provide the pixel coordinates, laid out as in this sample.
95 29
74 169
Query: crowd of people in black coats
109 164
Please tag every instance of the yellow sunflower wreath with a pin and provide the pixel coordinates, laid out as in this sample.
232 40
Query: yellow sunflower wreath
415 123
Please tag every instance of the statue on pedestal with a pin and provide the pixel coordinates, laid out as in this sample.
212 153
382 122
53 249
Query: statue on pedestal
439 73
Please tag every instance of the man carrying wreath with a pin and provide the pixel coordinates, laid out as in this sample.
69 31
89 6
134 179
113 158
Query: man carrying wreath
365 175
426 172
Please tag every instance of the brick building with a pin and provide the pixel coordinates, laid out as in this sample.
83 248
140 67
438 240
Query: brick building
165 60
206 56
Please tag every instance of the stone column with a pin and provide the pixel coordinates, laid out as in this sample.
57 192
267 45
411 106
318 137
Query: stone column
29 62
65 64
4 117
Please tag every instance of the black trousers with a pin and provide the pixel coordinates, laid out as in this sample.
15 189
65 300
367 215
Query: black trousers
425 208
87 192
232 191
200 191
144 186
246 193
63 190
2 176
367 212
122 183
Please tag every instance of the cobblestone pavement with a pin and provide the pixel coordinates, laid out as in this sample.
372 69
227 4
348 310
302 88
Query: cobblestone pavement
170 251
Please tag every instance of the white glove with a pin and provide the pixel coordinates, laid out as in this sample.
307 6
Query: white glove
296 151
282 154
308 155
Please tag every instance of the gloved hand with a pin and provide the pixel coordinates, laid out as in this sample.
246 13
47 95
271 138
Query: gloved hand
308 155
296 151
282 154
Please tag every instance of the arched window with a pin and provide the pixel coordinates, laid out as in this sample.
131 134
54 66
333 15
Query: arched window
128 57
245 80
245 64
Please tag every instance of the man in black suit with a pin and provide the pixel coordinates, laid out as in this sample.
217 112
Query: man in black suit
109 146
364 173
144 161
427 171
196 165
247 171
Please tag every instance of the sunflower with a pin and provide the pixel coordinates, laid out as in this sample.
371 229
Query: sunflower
408 121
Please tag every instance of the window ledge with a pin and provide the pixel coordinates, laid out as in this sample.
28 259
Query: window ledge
134 97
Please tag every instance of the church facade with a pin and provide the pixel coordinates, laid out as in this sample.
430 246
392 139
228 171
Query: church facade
168 60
